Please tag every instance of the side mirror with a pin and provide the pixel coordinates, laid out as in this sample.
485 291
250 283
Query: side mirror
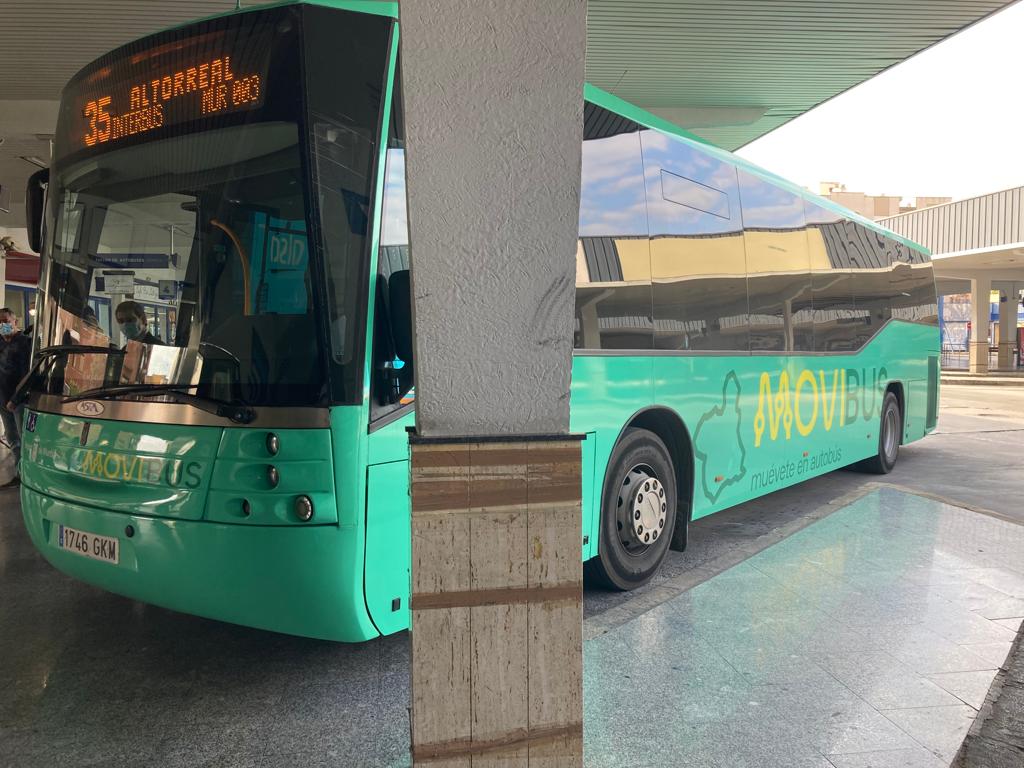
400 304
35 196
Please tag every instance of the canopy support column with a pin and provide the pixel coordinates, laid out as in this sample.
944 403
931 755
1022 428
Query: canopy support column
981 287
493 110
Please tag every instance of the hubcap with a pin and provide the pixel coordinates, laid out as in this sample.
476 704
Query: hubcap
642 501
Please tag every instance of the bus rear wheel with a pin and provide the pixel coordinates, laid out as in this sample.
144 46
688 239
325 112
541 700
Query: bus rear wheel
889 431
638 511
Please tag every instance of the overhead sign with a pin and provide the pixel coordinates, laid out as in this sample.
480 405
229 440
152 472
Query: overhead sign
167 290
114 281
136 260
146 292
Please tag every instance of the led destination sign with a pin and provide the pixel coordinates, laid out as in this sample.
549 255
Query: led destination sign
202 89
171 81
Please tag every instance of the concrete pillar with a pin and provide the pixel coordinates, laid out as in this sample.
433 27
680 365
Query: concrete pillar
1008 302
981 287
493 114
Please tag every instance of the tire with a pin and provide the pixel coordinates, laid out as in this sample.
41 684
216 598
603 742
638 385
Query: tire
890 432
631 552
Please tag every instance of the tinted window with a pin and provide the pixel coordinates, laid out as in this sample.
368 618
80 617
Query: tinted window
343 126
836 319
613 264
778 267
914 287
697 260
870 256
392 338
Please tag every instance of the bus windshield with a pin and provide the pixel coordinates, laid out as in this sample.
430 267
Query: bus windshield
208 222
200 275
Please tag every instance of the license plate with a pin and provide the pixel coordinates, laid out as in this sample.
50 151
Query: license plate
105 548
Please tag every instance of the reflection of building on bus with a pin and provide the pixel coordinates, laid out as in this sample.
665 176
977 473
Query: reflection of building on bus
812 280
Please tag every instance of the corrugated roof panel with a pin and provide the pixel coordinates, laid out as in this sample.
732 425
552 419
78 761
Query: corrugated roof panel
780 57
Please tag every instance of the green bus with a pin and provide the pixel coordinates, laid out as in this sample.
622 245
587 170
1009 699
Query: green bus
230 438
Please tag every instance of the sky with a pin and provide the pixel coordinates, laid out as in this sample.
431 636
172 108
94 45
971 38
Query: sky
949 122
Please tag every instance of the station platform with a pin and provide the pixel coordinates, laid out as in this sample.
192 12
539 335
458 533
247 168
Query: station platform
867 638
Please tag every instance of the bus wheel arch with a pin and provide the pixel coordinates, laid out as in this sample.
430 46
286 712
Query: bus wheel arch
896 387
890 424
652 455
667 425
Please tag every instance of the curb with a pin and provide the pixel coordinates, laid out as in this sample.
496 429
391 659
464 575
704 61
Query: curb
984 381
996 739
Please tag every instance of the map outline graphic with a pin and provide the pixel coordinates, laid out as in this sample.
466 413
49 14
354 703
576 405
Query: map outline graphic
718 411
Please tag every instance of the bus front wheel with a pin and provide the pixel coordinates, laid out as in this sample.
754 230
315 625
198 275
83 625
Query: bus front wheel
638 511
889 431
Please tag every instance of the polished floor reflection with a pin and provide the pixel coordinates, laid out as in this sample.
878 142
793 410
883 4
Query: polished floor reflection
867 639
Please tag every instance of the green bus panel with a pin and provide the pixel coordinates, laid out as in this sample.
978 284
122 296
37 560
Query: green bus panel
388 545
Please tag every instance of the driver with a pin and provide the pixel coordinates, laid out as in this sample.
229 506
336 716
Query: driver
131 318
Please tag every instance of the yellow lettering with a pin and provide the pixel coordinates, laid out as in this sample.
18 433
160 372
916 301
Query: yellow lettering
828 412
802 427
778 407
842 397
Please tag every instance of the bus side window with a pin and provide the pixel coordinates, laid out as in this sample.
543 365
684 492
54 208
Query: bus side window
392 333
778 267
869 255
613 258
836 320
698 267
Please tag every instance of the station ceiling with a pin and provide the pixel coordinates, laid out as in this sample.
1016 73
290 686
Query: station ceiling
729 70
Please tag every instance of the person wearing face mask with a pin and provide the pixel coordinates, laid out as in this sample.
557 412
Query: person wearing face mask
15 358
131 318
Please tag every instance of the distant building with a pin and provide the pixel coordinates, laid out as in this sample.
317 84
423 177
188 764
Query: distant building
874 206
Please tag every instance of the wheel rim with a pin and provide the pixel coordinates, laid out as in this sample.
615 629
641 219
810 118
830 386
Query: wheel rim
890 436
642 508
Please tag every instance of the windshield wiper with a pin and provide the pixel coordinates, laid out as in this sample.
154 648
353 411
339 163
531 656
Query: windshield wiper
49 355
236 412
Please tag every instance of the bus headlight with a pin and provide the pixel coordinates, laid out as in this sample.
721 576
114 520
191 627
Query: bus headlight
304 508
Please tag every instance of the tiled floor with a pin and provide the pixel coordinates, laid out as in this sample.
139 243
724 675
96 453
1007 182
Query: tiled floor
867 639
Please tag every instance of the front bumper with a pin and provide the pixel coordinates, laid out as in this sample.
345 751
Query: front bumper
294 579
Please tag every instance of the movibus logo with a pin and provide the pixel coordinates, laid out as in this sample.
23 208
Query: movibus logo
822 399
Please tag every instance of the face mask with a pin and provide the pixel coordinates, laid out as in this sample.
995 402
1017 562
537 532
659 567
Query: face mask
6 329
130 329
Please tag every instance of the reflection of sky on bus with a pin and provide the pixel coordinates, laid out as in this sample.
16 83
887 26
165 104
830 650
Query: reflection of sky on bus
700 211
816 214
395 226
768 206
612 188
